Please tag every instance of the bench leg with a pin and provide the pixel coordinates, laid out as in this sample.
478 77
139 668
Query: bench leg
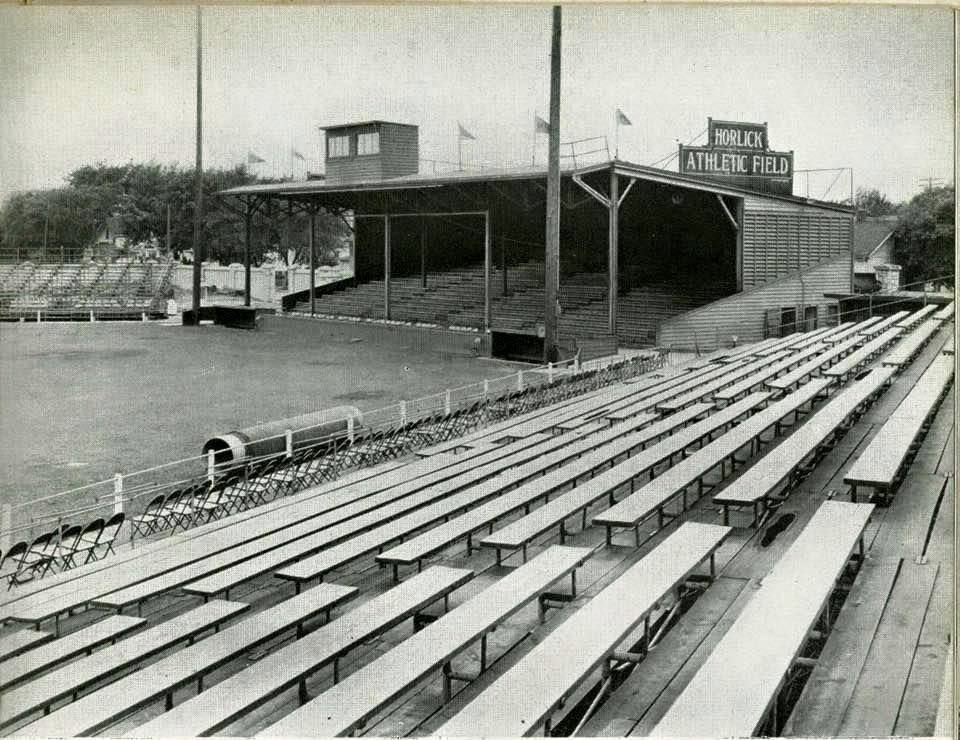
447 681
302 694
336 670
483 653
396 573
573 583
713 566
524 552
584 524
200 685
853 493
636 534
563 533
169 701
726 515
609 536
499 561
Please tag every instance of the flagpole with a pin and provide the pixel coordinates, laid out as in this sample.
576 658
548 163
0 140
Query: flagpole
198 177
460 152
533 148
616 136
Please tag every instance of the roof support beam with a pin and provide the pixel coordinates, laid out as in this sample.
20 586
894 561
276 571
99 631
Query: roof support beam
626 190
726 210
604 200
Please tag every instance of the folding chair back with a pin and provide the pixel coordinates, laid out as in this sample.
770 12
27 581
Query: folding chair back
10 563
65 549
37 559
88 540
110 531
150 520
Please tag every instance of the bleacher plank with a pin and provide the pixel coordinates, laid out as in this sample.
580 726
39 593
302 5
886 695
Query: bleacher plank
760 482
917 316
814 365
948 348
296 540
906 350
213 710
767 637
818 337
520 701
705 389
358 697
655 496
97 711
945 313
861 328
732 392
881 462
22 640
23 667
876 328
620 440
85 672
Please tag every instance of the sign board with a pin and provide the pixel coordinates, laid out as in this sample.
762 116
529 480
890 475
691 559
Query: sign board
737 135
701 160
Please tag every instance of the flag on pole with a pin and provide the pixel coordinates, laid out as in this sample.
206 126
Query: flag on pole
298 155
622 120
464 134
254 159
540 126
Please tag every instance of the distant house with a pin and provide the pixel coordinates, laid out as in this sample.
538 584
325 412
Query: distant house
873 267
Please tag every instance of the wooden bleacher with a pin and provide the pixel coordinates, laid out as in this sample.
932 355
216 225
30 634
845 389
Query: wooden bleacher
917 316
863 355
769 635
879 466
908 348
756 487
816 365
945 313
521 701
346 706
878 327
22 640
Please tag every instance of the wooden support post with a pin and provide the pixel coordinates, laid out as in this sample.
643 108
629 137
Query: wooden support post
552 241
312 243
487 269
386 267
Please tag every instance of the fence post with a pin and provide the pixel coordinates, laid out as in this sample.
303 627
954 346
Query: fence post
6 526
38 317
549 372
519 380
446 402
211 464
143 315
350 429
403 413
92 318
288 434
486 389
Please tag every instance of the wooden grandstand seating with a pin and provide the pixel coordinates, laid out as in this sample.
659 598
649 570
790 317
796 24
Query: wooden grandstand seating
880 465
948 348
706 390
861 327
24 667
521 701
101 708
917 316
945 313
213 710
351 702
762 481
877 327
221 546
335 557
758 379
769 634
907 349
604 449
859 357
658 494
805 340
18 642
84 673
815 365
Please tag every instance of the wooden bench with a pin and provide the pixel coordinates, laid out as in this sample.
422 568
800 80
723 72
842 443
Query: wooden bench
861 327
300 539
768 636
756 380
555 513
21 641
786 343
948 348
818 337
351 702
879 465
746 351
907 349
852 362
23 667
620 441
97 711
815 365
84 673
917 316
945 313
656 496
761 482
882 326
521 701
706 390
213 710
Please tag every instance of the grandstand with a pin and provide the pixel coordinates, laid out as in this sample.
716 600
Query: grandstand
85 291
577 564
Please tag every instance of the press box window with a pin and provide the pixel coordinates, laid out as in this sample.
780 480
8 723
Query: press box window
368 143
338 146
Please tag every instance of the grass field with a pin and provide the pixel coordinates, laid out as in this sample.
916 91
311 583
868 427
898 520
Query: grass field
79 402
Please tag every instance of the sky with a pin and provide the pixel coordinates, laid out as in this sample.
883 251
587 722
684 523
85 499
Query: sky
861 87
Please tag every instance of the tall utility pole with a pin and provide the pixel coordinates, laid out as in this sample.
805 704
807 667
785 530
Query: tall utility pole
551 276
198 177
169 241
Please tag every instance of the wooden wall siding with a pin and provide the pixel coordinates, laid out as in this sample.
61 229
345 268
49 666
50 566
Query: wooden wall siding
399 150
353 168
779 238
742 314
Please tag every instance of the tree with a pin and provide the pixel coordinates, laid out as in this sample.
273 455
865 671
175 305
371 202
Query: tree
925 235
871 202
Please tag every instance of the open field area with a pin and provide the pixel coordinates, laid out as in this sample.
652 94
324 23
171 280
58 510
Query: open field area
80 401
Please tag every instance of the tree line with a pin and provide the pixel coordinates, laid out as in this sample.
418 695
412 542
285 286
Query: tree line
139 198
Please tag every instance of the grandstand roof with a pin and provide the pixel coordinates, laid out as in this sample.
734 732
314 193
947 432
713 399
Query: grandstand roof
430 180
